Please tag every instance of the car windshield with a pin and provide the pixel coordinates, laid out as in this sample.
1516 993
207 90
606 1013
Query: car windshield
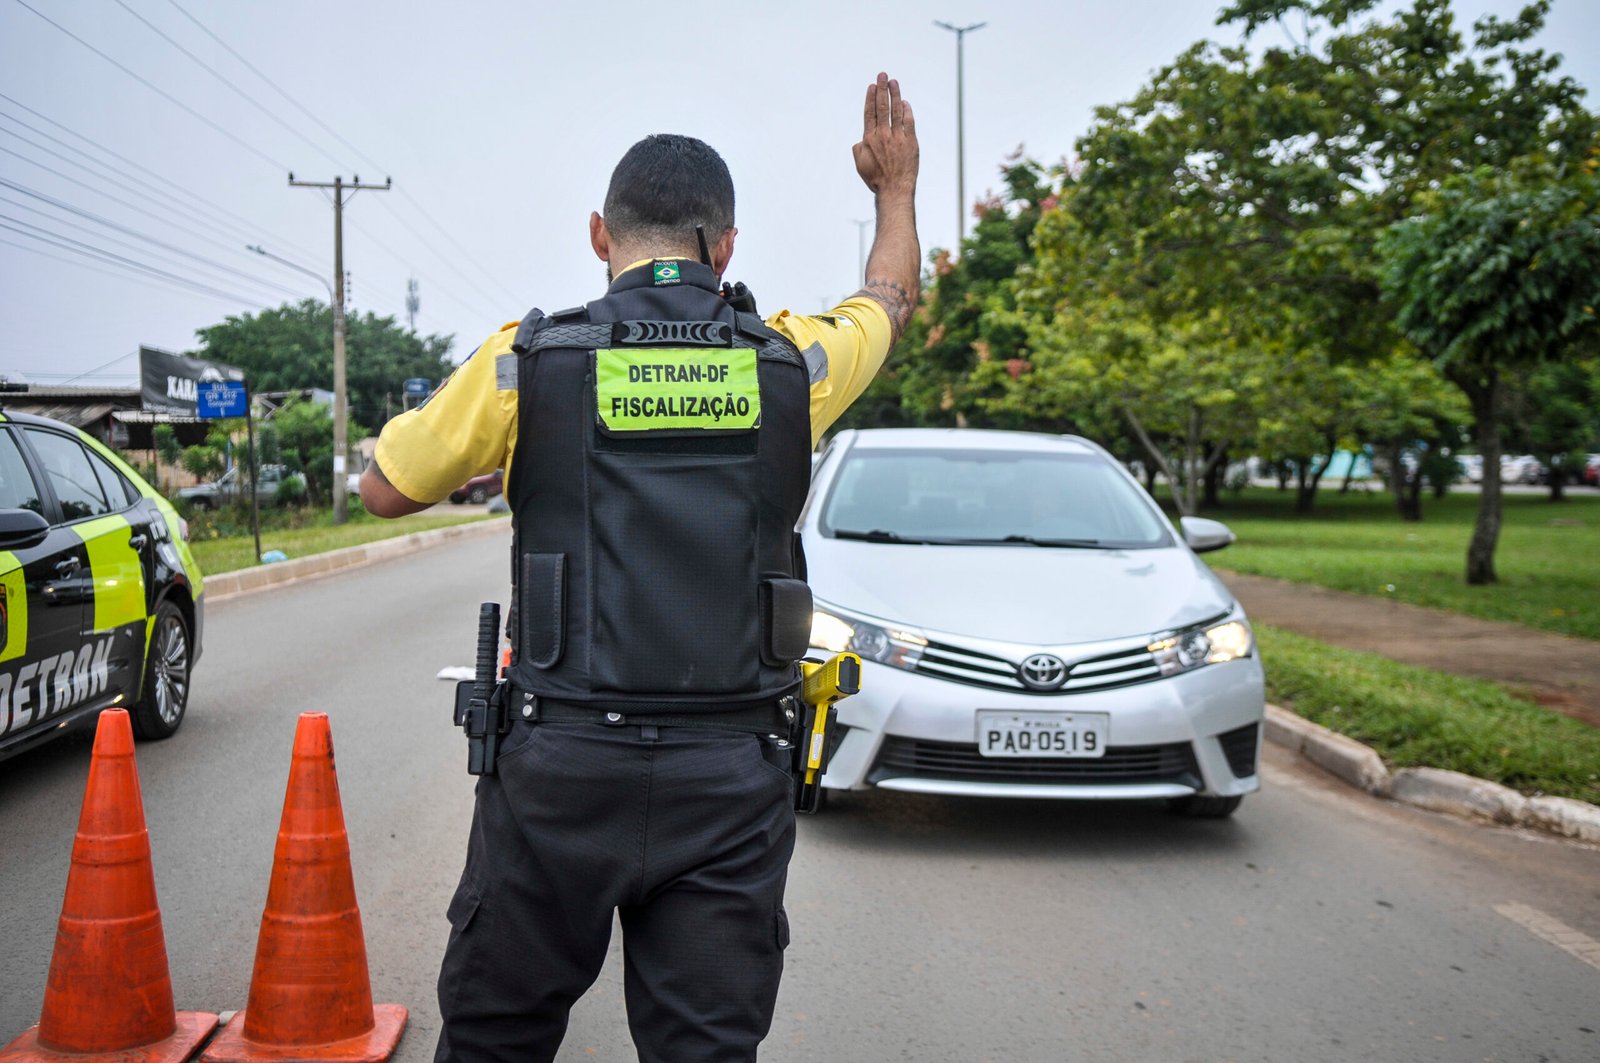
977 497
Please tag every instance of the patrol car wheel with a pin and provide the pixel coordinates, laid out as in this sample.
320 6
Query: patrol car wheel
166 676
478 495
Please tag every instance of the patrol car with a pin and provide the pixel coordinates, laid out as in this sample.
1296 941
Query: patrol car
100 596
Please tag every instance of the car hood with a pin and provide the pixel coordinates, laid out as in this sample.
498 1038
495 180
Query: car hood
1028 594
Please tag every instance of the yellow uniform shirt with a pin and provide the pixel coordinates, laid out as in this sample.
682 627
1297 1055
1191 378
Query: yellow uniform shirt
469 426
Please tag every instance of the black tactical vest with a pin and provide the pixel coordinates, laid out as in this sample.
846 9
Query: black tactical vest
656 566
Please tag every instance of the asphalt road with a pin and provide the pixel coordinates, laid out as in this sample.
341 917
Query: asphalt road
1318 924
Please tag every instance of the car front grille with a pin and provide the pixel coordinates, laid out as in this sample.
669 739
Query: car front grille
961 665
1239 746
961 762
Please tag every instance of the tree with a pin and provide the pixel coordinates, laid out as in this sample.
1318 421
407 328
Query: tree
203 461
966 335
1249 186
1411 415
304 434
1499 275
1554 414
291 347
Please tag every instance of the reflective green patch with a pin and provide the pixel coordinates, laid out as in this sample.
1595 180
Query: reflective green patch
649 389
13 608
118 574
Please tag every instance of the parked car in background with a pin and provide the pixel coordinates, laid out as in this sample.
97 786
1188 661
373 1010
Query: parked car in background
1030 625
1521 469
1591 471
100 597
480 489
1471 467
233 486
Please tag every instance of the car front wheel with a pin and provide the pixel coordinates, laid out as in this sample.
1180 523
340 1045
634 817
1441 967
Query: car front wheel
166 676
1199 806
479 495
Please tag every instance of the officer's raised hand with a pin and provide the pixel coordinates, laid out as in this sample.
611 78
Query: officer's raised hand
887 156
887 160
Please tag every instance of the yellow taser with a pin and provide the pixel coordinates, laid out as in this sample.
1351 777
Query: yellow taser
823 685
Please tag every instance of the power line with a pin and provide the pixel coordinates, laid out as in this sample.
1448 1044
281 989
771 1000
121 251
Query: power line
361 154
96 369
243 94
135 248
79 264
108 223
157 90
403 261
468 255
65 243
275 86
255 229
182 209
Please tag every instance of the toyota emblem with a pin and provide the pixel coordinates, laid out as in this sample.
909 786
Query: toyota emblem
1043 671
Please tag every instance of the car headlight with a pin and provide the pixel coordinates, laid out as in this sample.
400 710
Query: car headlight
896 647
1202 646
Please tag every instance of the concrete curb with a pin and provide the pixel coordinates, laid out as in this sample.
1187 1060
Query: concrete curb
226 585
1431 788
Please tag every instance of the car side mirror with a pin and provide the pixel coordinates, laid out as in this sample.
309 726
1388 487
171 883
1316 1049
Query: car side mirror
21 528
1204 536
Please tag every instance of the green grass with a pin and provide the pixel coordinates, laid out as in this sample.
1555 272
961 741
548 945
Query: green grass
222 542
1415 717
1548 558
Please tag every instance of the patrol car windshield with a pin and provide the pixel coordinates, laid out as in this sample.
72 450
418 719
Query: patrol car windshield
985 497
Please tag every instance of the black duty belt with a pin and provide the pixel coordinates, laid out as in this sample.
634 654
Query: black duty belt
764 719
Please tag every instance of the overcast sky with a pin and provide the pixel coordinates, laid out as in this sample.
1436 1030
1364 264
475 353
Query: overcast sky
499 123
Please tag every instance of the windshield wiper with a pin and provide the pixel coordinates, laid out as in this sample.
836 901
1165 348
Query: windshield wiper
1036 540
876 535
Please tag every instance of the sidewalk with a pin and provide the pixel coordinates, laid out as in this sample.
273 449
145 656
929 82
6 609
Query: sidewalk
1559 672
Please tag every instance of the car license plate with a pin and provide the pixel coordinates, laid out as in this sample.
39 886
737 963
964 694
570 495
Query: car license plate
1042 734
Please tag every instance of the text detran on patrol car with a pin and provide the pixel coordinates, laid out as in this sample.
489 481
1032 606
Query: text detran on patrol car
45 687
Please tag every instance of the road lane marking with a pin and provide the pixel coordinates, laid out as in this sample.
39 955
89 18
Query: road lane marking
1559 934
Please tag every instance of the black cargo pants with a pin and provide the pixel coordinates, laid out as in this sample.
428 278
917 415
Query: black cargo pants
686 832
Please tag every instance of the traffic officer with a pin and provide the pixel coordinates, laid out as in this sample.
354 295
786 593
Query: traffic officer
656 446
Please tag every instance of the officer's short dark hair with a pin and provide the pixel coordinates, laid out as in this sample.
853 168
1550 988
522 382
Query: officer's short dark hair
666 185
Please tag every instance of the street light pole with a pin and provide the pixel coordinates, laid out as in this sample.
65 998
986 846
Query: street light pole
861 247
961 147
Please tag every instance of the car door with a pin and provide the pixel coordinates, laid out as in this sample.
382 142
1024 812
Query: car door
41 607
112 585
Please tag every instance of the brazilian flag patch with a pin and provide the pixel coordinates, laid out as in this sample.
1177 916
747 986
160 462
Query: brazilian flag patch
645 389
665 273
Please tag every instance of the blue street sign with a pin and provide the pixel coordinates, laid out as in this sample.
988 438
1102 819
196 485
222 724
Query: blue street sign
221 398
418 386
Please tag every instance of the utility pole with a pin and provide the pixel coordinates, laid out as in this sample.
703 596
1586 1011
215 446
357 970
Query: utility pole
413 303
341 416
961 146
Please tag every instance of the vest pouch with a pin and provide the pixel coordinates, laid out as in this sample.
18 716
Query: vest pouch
676 609
785 620
541 608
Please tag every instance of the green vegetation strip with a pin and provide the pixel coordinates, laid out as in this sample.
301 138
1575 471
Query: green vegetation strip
1415 717
225 552
1548 560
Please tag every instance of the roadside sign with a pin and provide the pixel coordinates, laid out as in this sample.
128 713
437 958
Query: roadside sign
221 398
418 386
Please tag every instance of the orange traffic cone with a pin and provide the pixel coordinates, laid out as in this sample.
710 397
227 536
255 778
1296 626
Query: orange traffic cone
310 996
108 992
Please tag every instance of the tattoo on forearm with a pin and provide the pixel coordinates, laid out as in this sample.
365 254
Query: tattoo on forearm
897 301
